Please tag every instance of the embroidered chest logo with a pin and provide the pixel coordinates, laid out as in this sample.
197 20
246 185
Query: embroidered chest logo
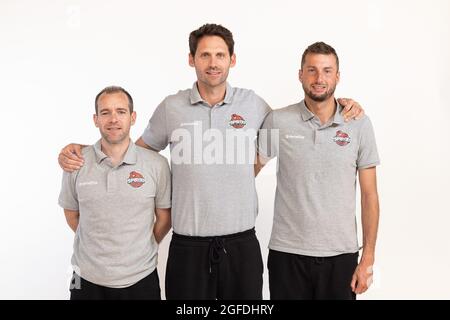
237 121
342 139
136 179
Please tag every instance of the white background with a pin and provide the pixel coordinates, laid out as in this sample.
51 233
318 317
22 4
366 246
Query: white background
56 55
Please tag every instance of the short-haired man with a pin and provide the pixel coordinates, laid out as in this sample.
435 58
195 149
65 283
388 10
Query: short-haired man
314 247
111 204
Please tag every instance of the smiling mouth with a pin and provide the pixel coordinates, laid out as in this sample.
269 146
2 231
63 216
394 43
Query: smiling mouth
319 90
213 73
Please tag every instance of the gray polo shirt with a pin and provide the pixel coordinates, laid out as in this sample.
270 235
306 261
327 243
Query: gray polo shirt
213 176
316 180
114 244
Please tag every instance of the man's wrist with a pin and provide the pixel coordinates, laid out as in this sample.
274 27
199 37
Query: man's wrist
367 257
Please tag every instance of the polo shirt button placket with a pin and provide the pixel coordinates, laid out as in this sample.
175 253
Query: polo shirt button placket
112 180
211 120
214 116
316 137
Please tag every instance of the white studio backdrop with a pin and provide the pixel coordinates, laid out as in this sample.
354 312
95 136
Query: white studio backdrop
56 55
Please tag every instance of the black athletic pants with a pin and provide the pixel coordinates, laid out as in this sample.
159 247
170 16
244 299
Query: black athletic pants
145 289
293 276
222 267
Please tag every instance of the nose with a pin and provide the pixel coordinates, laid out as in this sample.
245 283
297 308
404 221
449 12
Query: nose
212 62
114 117
320 77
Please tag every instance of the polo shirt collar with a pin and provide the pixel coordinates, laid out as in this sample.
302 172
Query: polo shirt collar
304 111
308 115
338 118
99 155
129 158
196 98
131 154
228 94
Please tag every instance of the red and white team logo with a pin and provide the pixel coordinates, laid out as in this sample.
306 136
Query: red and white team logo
136 179
237 121
341 138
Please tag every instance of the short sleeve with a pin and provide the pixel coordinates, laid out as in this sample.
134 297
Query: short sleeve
367 153
268 138
68 197
156 134
263 109
164 186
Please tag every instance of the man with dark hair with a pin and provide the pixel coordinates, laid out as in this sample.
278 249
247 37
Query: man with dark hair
211 30
320 48
214 253
111 204
111 90
314 247
211 130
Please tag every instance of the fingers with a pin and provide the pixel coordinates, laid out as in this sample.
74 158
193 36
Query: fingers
351 110
343 101
353 284
358 111
362 286
348 111
361 282
369 277
362 278
77 150
68 164
70 158
369 281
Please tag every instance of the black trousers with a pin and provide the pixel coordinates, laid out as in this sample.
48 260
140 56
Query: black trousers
145 289
293 276
222 267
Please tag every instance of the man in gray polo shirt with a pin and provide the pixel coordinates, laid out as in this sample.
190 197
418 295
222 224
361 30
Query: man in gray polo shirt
211 130
111 204
313 247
